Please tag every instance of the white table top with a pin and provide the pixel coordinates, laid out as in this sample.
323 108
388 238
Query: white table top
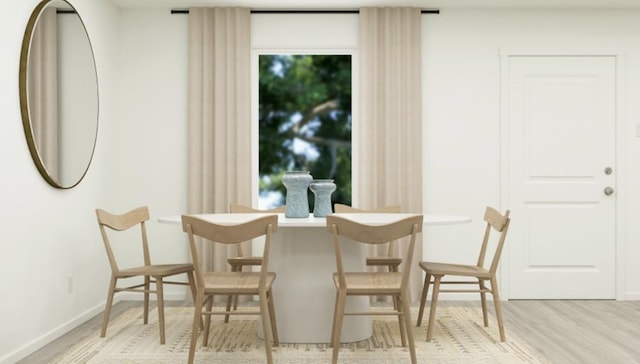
311 221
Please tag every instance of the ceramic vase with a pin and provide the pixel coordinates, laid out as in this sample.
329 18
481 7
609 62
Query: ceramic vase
296 200
322 190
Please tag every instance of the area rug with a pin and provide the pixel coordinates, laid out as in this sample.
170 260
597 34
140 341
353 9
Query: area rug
459 337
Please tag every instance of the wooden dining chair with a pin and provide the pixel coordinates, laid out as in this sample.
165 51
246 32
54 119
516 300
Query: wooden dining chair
210 284
435 271
388 260
152 273
240 261
394 284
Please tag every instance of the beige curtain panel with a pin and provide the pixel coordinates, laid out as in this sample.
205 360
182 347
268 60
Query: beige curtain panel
390 115
219 130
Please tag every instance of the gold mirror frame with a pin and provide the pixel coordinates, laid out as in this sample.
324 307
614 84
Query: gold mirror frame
80 169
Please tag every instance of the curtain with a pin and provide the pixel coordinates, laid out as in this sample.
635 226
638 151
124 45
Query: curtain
389 150
219 120
43 89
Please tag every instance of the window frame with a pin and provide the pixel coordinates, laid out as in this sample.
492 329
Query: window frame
255 132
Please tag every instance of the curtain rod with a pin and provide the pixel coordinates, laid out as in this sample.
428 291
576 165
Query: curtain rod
258 11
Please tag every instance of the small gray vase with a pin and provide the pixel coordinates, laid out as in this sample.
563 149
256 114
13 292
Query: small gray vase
322 190
296 200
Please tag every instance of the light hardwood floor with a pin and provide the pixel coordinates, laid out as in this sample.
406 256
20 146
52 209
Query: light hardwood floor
566 332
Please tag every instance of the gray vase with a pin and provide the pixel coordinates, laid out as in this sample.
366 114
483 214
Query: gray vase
322 190
297 202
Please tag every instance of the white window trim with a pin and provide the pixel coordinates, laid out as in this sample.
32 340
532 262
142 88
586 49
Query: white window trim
256 52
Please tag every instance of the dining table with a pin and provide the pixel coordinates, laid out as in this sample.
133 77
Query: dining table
303 258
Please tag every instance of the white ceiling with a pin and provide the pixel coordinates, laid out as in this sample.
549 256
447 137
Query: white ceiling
354 4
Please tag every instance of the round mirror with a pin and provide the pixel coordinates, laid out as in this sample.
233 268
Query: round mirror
58 93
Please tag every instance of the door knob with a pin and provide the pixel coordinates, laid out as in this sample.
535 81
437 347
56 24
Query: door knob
608 191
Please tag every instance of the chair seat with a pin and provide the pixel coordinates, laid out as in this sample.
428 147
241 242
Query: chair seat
434 268
235 282
384 261
156 270
371 283
245 261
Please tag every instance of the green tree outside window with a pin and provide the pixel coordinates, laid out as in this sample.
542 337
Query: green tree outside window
304 122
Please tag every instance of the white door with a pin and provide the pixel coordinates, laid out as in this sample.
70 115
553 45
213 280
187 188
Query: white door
561 123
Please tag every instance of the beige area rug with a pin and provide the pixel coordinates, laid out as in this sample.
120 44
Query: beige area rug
459 337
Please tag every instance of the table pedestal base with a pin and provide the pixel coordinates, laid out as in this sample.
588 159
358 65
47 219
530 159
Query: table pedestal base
304 294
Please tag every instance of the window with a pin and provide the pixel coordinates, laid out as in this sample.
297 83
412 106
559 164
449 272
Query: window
304 122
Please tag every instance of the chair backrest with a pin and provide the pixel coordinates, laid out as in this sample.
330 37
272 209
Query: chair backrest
374 234
229 234
122 222
500 224
235 208
385 209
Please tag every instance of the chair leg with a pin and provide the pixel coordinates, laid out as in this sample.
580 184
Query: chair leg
398 306
232 300
337 327
192 285
207 321
266 329
228 308
333 325
434 302
160 298
483 300
197 314
107 308
394 268
496 302
194 289
147 288
407 319
423 299
272 316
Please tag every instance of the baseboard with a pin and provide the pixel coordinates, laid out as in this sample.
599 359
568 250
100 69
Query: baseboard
57 332
633 296
50 336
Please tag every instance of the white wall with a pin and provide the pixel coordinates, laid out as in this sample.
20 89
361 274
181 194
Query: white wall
151 146
49 234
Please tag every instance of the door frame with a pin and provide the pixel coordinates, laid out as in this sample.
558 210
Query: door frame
505 187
